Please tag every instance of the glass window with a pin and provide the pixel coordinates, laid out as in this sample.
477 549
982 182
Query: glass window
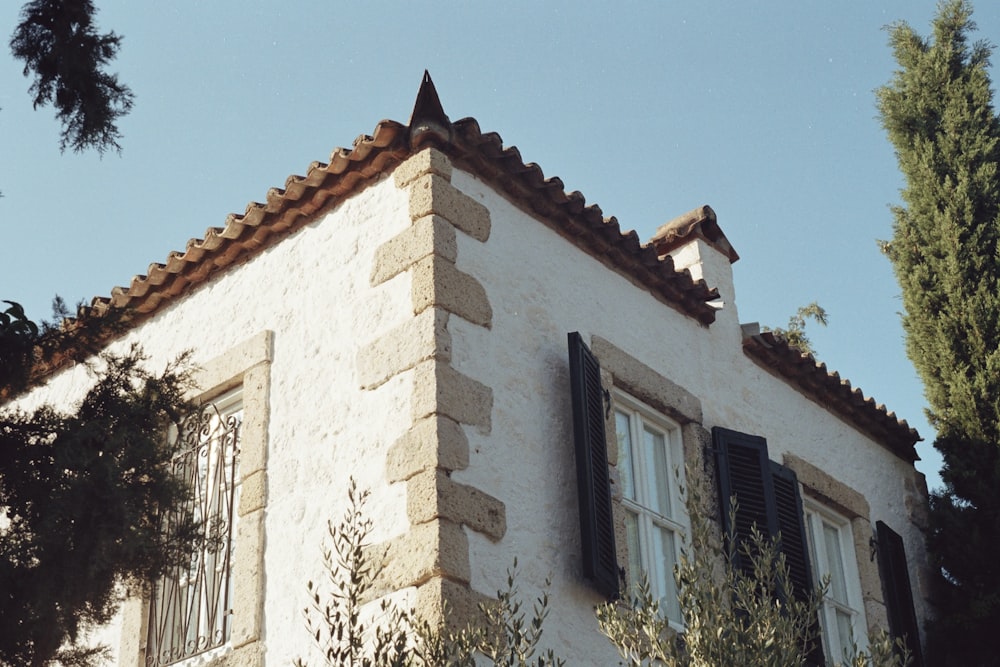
650 461
831 549
191 606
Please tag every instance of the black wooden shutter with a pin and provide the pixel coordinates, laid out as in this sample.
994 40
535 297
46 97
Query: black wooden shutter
896 587
767 494
788 505
744 472
597 525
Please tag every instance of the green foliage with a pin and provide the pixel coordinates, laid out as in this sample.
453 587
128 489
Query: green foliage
29 350
18 336
795 334
938 113
391 637
730 617
83 492
61 48
346 639
508 641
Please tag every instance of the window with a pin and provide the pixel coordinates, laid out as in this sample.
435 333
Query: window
650 458
831 551
191 608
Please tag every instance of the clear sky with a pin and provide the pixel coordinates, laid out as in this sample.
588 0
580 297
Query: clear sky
763 110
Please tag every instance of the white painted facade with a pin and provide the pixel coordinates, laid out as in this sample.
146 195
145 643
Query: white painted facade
314 292
542 287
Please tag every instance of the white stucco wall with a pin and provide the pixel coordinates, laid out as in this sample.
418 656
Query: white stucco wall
312 290
541 287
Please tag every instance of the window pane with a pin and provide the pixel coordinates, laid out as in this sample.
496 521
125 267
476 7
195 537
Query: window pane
624 437
811 539
844 630
835 563
634 555
665 558
657 472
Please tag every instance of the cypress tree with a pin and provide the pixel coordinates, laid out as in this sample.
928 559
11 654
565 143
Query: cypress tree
61 48
939 115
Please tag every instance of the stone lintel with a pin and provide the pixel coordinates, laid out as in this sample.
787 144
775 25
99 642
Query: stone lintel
828 490
227 370
646 384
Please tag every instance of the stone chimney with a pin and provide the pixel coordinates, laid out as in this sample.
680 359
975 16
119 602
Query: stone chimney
696 243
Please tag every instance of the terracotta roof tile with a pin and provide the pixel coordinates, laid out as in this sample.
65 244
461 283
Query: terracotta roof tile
701 223
287 209
829 390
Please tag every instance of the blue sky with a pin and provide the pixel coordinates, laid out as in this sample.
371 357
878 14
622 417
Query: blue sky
765 111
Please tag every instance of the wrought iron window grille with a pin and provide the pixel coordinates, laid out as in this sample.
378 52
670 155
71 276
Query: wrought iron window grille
191 605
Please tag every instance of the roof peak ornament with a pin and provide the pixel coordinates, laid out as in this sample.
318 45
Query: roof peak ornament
429 124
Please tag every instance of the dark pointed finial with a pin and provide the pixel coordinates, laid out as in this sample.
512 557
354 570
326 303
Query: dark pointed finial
429 124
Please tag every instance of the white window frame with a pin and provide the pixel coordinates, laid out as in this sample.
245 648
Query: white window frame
816 518
641 417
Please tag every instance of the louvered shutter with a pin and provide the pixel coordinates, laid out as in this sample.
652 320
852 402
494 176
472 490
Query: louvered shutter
788 505
597 526
767 494
896 587
744 472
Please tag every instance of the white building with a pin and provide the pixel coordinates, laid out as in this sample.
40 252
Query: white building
401 316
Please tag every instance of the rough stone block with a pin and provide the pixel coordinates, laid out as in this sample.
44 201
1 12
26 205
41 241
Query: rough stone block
437 282
248 579
440 389
248 655
433 494
868 574
438 548
426 236
418 339
428 161
433 442
432 194
454 603
253 493
646 384
828 490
